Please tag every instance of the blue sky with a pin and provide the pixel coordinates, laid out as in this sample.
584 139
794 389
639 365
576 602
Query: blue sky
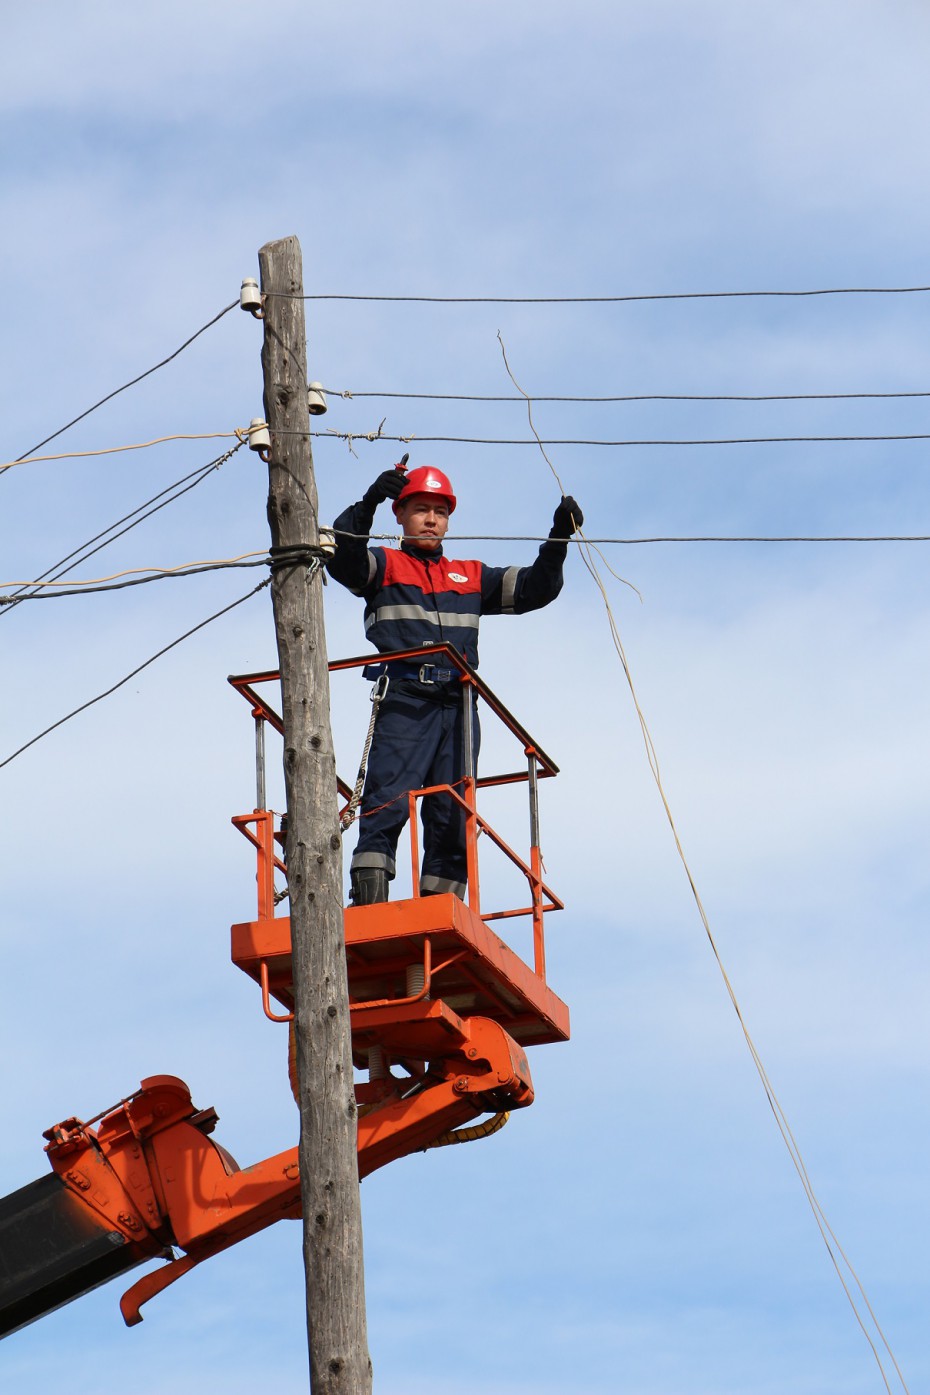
640 1229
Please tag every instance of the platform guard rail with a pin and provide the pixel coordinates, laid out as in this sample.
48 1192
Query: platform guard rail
259 826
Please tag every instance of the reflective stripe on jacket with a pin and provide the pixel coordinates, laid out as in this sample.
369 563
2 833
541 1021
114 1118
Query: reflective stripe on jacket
422 601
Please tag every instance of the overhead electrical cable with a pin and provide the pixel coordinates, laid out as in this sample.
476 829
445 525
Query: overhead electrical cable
826 1232
144 511
601 299
116 391
91 588
160 571
100 696
636 396
413 439
398 538
135 445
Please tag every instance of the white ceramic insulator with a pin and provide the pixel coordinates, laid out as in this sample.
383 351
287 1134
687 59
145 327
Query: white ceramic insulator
377 1070
316 399
259 435
328 541
250 297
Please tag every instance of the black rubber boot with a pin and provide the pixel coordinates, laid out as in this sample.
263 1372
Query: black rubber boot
369 885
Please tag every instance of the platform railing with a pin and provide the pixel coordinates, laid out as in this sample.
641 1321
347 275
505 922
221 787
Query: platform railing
259 829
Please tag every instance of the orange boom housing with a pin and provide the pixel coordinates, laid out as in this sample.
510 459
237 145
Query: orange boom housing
442 1012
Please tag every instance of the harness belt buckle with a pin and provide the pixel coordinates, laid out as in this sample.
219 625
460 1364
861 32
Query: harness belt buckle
433 674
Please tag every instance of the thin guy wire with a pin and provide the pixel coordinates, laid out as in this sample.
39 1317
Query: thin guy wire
637 397
351 436
774 1104
87 550
601 299
100 696
131 383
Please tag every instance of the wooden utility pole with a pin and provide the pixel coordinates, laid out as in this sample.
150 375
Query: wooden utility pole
338 1341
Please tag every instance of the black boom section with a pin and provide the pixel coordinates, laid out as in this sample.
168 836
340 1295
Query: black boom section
53 1249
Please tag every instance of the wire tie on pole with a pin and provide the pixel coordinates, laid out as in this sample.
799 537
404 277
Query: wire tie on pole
297 554
350 436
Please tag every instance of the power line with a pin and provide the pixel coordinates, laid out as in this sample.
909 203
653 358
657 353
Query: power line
92 589
602 299
239 433
379 435
351 436
87 550
169 574
637 397
116 391
100 696
859 538
198 569
670 538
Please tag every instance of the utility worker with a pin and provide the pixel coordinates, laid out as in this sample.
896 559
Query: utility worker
414 597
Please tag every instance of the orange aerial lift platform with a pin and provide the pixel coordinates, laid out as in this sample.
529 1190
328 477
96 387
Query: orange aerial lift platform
442 1009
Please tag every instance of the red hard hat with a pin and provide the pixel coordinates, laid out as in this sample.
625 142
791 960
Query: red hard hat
426 479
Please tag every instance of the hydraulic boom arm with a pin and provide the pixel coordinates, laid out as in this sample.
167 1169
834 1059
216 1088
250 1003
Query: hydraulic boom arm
150 1179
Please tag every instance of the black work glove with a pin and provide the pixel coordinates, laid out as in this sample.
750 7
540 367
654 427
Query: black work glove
387 486
567 518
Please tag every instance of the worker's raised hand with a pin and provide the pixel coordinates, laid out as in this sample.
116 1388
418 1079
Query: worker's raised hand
567 518
387 486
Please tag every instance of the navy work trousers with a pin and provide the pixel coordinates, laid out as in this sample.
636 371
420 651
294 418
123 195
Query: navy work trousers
417 743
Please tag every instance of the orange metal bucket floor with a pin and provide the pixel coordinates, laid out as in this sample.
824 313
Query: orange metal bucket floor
466 964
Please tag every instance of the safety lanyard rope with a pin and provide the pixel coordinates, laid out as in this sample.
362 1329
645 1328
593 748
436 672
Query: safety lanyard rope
378 694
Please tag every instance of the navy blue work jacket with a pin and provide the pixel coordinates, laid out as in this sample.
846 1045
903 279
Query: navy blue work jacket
415 596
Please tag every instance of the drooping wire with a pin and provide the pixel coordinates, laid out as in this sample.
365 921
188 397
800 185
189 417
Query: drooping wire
116 391
87 549
826 1232
602 299
100 696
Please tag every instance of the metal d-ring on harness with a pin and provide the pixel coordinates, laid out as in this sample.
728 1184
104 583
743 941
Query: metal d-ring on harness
378 694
